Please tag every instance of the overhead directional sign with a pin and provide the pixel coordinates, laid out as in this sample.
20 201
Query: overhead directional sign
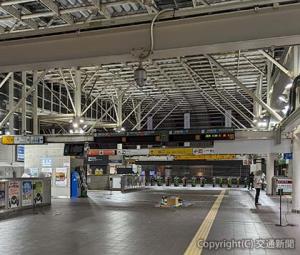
20 139
170 151
207 157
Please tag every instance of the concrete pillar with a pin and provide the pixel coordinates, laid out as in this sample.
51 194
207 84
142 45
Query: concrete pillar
270 171
35 130
296 171
11 104
24 105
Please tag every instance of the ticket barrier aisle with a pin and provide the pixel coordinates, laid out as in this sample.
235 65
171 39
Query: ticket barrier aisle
22 193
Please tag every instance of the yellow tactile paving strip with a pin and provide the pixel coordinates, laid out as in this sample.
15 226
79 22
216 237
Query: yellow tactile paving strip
203 231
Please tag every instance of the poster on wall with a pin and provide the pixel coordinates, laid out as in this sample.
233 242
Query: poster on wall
38 190
27 193
2 195
13 194
61 176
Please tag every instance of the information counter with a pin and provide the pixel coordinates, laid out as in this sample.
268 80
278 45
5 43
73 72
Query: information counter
22 193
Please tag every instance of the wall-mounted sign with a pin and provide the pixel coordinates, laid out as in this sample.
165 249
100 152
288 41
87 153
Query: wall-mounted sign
46 162
20 139
8 139
20 153
288 155
61 176
27 193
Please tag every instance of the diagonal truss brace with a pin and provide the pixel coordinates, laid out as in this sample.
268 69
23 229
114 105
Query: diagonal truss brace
241 85
32 88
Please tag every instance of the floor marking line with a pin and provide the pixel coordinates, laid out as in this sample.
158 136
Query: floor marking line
205 227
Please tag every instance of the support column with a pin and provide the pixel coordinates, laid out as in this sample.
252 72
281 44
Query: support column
119 109
150 123
187 120
258 93
77 98
11 104
24 106
296 171
270 171
228 118
138 117
35 129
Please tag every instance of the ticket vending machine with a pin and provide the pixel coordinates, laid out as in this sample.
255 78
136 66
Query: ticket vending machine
75 184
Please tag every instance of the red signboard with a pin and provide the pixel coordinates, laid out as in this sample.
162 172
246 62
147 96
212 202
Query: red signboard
97 152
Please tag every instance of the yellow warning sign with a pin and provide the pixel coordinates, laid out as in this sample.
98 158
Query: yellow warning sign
8 139
171 152
207 157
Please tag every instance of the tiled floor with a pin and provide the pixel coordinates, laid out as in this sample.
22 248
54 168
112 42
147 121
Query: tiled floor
130 223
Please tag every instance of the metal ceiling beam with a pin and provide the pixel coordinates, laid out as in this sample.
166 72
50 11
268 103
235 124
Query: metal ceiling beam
276 63
131 19
176 38
235 108
54 7
242 86
168 114
17 105
17 14
101 8
213 102
5 79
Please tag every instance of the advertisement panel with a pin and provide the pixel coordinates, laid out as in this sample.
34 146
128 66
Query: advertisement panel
61 176
13 194
27 193
38 190
2 195
207 157
171 151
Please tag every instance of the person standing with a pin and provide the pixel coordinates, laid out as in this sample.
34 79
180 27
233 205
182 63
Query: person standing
251 181
257 185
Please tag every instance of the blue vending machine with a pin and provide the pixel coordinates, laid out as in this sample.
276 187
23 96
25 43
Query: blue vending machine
75 184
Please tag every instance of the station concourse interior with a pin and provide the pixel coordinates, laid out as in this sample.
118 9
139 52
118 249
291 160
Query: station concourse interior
149 127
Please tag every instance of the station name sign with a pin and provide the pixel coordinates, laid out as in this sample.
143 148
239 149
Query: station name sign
20 139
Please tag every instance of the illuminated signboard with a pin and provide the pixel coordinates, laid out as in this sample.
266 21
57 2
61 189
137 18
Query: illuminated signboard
20 139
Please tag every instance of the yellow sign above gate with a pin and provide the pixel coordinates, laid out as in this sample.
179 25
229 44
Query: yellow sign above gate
171 152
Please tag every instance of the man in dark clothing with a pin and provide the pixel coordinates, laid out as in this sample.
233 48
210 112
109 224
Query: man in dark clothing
251 181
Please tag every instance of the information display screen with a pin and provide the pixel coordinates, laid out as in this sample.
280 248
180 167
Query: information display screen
74 150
